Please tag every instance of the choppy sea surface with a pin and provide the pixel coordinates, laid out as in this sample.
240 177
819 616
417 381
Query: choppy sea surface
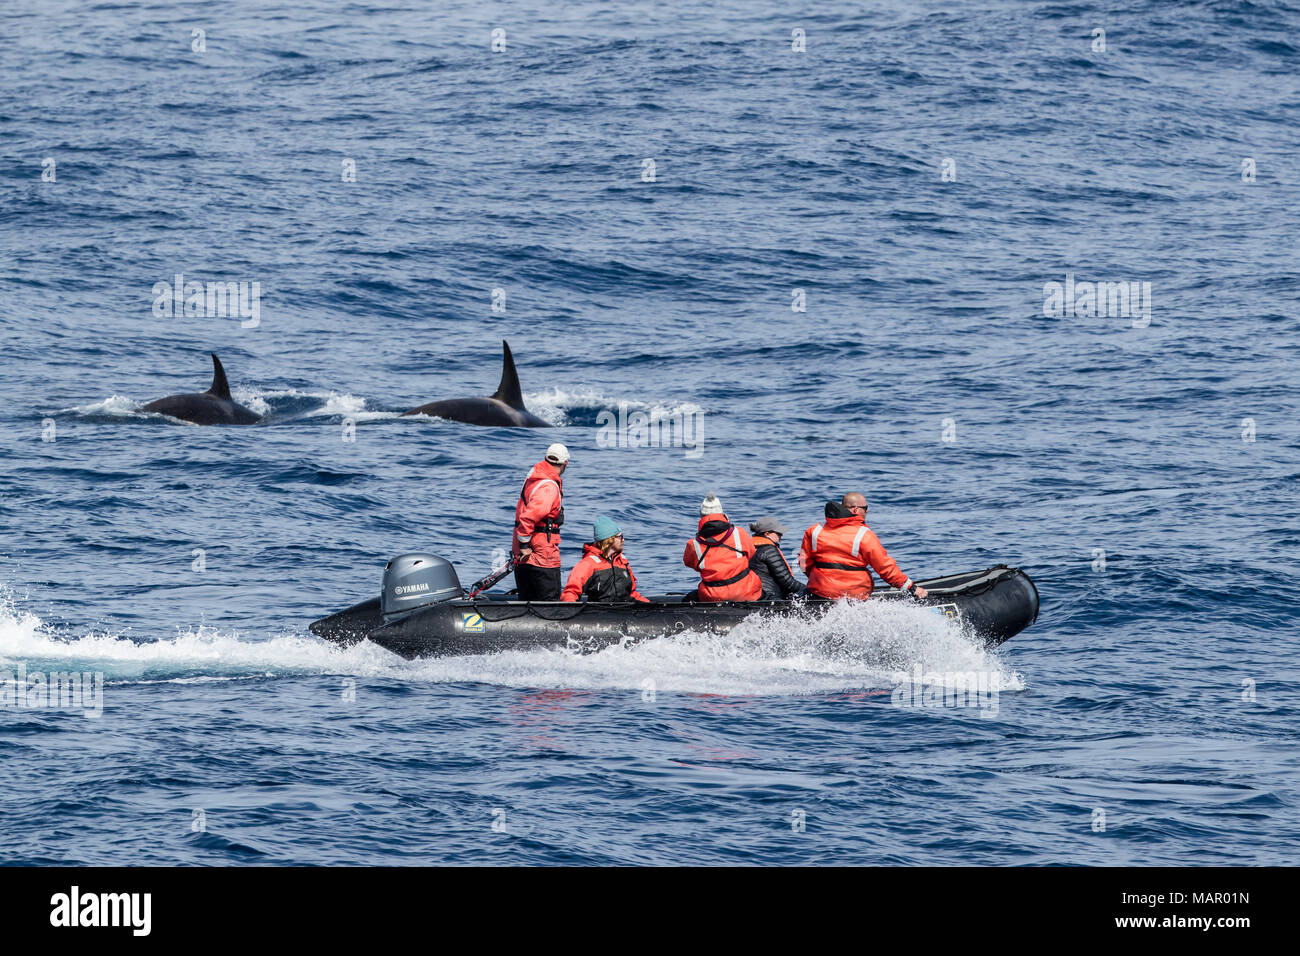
655 189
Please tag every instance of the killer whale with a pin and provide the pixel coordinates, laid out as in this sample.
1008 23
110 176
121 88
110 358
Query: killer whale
505 406
213 407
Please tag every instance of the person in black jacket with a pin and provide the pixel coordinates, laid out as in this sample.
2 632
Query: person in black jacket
769 563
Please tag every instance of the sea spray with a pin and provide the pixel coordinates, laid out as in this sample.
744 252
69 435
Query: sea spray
852 646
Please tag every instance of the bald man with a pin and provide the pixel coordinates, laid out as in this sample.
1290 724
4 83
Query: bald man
839 554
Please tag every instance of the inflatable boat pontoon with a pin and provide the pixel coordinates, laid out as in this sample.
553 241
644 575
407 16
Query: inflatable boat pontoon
424 612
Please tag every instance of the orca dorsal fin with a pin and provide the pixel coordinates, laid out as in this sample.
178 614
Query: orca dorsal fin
220 387
508 391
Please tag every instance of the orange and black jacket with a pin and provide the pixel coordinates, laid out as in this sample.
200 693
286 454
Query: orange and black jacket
601 578
773 569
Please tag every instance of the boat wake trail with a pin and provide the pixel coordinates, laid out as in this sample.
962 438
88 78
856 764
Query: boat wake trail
851 647
193 654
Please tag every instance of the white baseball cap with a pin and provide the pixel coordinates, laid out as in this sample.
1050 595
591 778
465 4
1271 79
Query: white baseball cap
557 454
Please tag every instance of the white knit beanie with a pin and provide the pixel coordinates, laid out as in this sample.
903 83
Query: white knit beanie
710 505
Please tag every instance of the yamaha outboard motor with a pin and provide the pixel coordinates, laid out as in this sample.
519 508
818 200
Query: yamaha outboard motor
413 581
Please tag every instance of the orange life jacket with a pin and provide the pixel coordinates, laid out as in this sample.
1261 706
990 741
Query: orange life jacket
723 563
536 522
838 556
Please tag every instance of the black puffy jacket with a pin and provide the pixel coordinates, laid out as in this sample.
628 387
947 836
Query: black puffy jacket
773 570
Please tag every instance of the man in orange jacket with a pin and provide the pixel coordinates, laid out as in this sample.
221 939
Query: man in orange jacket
839 554
538 516
721 552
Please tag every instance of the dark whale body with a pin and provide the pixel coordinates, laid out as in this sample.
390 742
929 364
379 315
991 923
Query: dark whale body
213 407
504 407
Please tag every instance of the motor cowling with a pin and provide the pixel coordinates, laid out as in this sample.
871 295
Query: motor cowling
414 581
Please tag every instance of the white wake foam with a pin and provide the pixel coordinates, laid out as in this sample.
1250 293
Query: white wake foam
852 647
117 405
331 404
560 406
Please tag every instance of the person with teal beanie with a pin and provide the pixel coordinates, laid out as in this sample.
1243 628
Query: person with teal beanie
603 574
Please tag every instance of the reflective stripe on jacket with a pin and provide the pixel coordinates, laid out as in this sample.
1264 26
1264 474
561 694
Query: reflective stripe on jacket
538 516
722 559
838 556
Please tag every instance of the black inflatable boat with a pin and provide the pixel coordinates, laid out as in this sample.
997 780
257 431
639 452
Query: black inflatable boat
423 612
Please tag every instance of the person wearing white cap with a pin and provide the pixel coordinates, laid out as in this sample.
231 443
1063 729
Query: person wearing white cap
538 516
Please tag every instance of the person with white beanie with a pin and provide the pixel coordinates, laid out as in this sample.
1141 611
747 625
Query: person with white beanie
721 553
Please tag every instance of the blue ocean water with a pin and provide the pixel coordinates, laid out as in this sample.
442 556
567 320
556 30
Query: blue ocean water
920 171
